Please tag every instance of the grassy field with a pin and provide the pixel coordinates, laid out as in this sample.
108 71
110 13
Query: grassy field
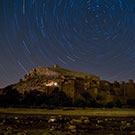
77 112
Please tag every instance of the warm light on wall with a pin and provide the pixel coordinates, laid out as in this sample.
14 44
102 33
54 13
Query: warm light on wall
51 84
55 84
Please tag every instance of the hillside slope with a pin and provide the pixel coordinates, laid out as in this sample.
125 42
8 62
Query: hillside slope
38 76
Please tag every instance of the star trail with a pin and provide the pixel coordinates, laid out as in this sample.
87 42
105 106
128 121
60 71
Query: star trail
93 36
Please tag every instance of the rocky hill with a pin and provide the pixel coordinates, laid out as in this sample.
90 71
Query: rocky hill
38 77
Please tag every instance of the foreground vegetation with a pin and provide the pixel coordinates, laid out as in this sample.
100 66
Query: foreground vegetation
12 98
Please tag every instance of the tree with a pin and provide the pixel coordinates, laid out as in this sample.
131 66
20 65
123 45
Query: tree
59 98
11 96
100 97
79 103
131 102
88 99
110 105
118 104
34 98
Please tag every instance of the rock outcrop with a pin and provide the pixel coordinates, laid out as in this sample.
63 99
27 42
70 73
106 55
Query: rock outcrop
41 77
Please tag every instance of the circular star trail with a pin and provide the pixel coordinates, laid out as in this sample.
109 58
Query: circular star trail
94 36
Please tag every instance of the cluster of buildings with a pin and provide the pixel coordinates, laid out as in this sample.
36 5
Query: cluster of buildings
74 83
74 86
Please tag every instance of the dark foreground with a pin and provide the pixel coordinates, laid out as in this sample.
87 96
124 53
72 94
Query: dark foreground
35 124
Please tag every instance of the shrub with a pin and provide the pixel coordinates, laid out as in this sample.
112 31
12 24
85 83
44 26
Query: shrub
10 97
131 102
59 98
118 104
110 105
79 103
88 99
100 97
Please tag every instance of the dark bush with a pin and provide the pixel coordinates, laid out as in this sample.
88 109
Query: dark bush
10 97
34 98
131 102
118 104
89 101
59 98
79 103
109 105
100 97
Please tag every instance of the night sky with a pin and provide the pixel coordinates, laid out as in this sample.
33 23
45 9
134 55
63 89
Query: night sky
94 36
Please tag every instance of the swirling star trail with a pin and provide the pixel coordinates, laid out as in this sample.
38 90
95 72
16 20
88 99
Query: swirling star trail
94 36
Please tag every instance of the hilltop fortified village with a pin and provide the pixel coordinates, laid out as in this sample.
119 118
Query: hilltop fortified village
73 83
